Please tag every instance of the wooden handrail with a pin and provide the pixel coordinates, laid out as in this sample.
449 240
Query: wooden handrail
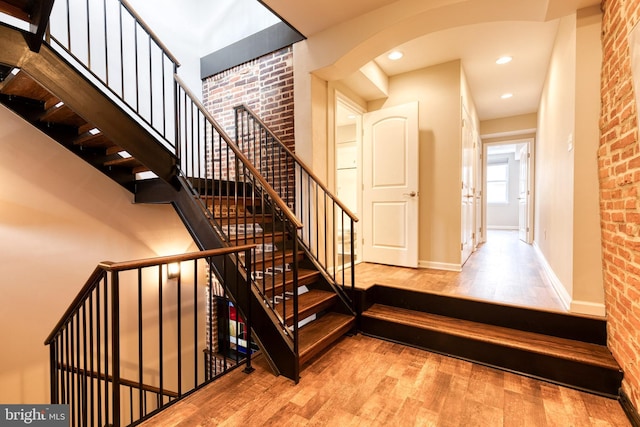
153 35
106 266
88 286
301 163
258 176
148 262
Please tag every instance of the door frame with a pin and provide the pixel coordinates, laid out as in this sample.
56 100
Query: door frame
341 100
531 175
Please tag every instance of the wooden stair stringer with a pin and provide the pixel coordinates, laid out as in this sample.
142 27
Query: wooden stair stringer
81 96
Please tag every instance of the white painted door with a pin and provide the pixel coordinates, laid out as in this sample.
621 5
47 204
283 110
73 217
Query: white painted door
390 186
523 194
468 191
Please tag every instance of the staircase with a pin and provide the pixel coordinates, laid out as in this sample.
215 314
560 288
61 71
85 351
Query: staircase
566 349
158 143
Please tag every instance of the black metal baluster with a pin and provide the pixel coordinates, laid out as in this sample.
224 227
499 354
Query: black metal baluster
91 360
179 319
88 36
115 342
98 352
195 322
140 342
160 330
106 46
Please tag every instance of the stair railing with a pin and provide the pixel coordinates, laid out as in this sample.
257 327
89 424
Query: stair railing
142 334
329 231
115 49
237 199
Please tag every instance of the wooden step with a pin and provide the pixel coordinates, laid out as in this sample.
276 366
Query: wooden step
273 285
569 362
88 139
22 85
321 333
61 115
309 303
130 162
259 239
262 261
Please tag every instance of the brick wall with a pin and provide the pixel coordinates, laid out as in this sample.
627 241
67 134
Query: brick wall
619 172
265 85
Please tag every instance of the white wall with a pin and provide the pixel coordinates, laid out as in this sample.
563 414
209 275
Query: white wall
59 217
554 178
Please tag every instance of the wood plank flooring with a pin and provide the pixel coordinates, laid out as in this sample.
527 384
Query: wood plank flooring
363 381
503 270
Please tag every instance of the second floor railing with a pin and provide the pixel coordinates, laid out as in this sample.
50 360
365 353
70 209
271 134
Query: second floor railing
142 334
117 50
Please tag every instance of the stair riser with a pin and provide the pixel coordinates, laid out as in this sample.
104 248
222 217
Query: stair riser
569 373
556 324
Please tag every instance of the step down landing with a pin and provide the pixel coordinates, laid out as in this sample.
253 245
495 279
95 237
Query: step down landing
585 366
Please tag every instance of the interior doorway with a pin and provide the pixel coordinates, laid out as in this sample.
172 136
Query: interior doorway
508 187
348 179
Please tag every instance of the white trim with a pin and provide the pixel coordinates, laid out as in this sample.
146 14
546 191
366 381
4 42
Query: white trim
557 285
502 227
589 308
440 266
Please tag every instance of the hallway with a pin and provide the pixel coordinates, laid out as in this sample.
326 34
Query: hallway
503 270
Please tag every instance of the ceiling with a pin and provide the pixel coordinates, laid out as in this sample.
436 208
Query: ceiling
478 46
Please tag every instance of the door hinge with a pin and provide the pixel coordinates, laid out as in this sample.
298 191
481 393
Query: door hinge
461 246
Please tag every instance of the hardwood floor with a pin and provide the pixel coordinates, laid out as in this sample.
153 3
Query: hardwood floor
504 270
363 381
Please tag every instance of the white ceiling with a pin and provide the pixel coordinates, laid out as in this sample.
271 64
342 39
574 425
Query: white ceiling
477 46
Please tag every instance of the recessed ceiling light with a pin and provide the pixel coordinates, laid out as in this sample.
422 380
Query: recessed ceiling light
94 131
395 55
59 104
503 60
15 71
506 95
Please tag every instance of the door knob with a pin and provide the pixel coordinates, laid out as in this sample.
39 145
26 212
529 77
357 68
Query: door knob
412 194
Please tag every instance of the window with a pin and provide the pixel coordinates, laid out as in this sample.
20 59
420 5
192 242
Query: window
498 183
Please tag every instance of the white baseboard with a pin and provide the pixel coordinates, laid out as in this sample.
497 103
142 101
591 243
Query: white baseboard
439 266
557 285
588 308
502 227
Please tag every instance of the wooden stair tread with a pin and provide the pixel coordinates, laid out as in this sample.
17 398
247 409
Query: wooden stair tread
563 348
126 162
309 303
23 85
276 258
317 335
259 239
90 140
63 115
275 283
